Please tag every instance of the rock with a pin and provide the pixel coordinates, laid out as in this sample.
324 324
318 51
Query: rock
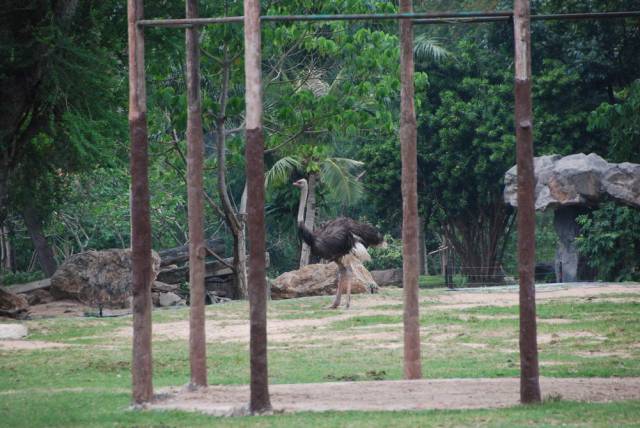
387 277
578 180
29 286
169 299
622 182
98 278
38 297
571 185
13 305
319 280
164 287
13 331
570 266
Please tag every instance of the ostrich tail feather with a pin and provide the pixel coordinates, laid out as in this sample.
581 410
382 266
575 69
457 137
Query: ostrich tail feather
360 252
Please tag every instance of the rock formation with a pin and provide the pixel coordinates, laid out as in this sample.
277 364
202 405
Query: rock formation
319 280
98 278
571 185
387 277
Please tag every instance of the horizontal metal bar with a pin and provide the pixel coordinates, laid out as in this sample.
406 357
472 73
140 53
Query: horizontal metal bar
475 20
586 15
189 22
290 18
418 18
540 17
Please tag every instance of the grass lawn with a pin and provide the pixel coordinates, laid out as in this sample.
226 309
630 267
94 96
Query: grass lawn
86 382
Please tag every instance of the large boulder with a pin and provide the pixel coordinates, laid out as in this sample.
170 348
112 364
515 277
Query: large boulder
98 278
320 280
387 277
571 185
578 180
13 305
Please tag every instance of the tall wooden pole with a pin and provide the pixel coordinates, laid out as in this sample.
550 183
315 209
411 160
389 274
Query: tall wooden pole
529 374
254 159
410 252
197 250
141 367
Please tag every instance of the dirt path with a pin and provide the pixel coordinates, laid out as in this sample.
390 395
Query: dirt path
294 330
397 395
508 296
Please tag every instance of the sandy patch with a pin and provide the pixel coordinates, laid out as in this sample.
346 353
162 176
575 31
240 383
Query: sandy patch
29 345
300 331
555 321
603 354
555 363
13 331
509 296
474 345
544 339
396 395
64 390
238 331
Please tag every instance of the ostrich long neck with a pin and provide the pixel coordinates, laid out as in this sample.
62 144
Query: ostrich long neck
303 202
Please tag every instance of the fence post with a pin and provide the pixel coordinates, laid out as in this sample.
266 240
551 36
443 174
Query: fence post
529 373
141 367
260 401
410 252
197 250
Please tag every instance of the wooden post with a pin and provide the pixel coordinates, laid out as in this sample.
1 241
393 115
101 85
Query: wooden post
410 254
141 367
529 374
197 249
254 159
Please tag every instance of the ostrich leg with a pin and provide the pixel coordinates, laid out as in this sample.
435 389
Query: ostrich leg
342 276
348 274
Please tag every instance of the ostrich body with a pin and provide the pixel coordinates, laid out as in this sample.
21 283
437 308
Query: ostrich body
342 240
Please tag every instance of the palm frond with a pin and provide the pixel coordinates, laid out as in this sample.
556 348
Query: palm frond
429 48
338 175
281 171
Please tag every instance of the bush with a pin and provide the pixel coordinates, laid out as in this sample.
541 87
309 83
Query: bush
8 278
610 240
386 258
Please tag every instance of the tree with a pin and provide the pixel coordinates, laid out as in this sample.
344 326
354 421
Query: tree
58 106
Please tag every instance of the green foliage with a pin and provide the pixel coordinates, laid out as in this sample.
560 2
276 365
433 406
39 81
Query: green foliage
621 122
8 278
386 258
610 240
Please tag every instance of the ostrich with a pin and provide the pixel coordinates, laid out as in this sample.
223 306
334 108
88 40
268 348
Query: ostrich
342 240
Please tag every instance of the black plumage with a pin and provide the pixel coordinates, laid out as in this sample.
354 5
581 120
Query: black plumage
339 237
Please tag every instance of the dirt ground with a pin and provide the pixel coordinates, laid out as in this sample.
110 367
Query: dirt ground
293 330
395 395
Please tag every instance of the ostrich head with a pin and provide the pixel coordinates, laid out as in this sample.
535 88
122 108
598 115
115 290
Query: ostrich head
300 183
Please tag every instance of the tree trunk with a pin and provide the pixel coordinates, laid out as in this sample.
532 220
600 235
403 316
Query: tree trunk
309 218
4 187
260 400
240 262
6 251
480 244
233 219
529 370
422 246
42 247
142 361
197 246
408 153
